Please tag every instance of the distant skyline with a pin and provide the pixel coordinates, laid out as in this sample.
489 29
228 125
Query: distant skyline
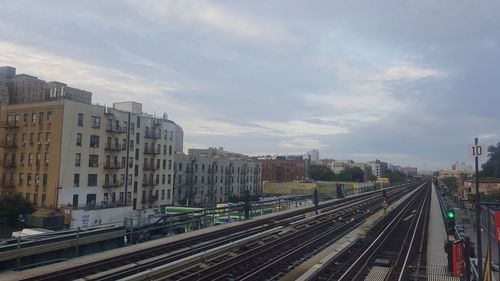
411 83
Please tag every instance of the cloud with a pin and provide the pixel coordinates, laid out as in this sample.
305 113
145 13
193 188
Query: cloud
109 84
201 13
296 128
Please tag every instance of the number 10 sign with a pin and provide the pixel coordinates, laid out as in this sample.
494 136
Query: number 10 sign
477 150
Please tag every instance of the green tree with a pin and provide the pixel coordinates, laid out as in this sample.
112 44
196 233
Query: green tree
450 182
396 176
13 206
352 174
372 178
321 173
492 166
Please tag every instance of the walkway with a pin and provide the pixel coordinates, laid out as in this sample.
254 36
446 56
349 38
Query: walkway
437 259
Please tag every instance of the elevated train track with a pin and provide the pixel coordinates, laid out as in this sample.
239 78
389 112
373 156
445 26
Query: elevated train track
264 235
395 249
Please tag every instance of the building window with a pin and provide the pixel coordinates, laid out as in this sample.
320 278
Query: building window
162 194
163 180
78 159
79 139
169 179
138 122
93 160
76 180
75 200
92 180
33 119
28 178
164 164
44 180
80 119
168 194
164 149
169 150
30 159
94 141
170 164
49 117
95 122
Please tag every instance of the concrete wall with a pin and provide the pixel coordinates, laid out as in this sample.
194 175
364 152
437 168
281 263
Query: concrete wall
85 218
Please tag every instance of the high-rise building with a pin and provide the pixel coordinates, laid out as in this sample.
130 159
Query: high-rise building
205 177
313 155
78 155
23 88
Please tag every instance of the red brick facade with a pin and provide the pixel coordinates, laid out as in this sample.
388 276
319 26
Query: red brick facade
284 170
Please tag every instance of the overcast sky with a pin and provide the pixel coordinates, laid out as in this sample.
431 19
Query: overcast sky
410 82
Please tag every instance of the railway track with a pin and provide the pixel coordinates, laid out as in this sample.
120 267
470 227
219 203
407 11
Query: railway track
393 250
121 266
275 255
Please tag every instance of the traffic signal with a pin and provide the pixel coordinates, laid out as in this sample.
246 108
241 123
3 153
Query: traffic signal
450 215
450 222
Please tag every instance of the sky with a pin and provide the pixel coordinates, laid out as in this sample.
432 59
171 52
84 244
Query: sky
409 82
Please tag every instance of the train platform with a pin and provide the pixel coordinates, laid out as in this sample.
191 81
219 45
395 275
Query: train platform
437 259
309 267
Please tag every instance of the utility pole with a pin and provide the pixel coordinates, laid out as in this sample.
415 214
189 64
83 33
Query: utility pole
478 216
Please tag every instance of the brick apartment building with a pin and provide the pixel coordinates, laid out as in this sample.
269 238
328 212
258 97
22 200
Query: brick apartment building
284 168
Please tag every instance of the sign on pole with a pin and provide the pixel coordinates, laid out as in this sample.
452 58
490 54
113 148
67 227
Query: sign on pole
478 150
458 258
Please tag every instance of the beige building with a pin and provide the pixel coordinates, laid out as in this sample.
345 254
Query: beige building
66 153
205 177
487 185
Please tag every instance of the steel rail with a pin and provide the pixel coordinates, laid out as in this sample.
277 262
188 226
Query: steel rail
360 263
413 238
210 273
129 258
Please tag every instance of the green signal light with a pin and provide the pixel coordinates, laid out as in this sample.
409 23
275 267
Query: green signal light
450 214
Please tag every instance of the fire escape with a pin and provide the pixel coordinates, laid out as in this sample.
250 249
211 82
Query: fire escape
114 150
256 180
244 173
8 160
153 150
228 182
212 190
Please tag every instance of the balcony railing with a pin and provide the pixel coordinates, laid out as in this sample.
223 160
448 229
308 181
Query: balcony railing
151 151
9 165
10 185
9 145
116 129
152 135
115 147
112 184
149 199
9 125
149 167
149 182
113 166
